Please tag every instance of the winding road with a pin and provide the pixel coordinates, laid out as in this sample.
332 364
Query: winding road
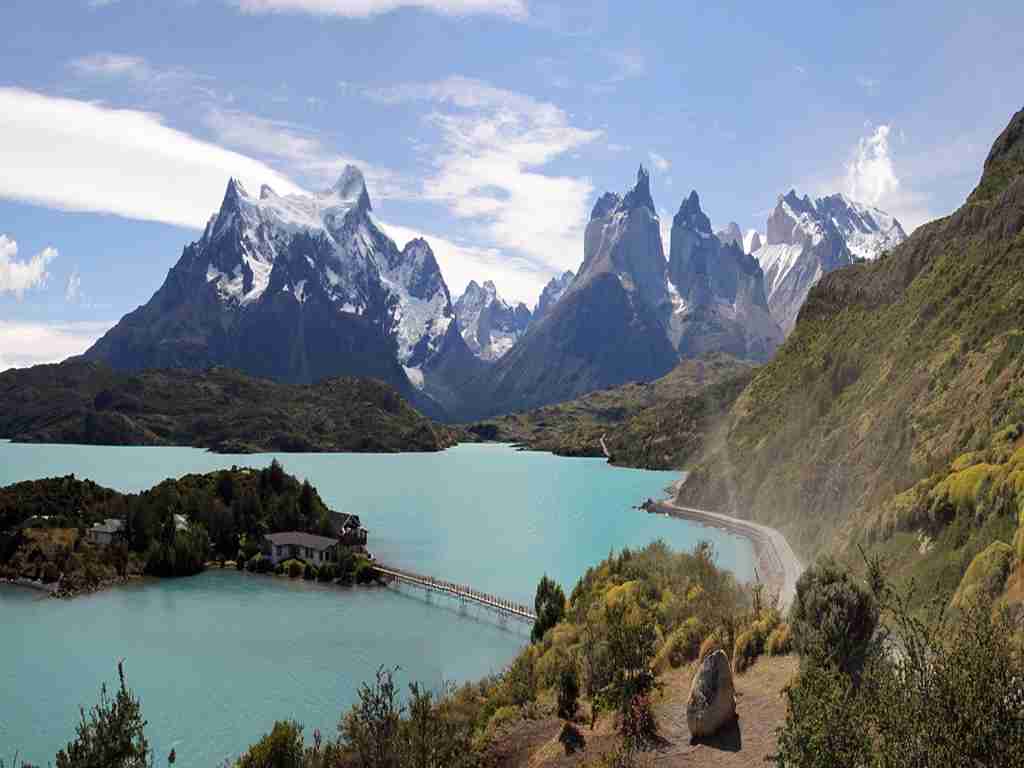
773 551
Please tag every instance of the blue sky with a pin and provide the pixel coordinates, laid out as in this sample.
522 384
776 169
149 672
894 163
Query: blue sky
489 126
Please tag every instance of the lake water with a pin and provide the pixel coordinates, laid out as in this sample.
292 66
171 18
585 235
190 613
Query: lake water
218 657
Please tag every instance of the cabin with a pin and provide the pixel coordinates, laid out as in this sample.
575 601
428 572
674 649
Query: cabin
103 534
307 547
348 529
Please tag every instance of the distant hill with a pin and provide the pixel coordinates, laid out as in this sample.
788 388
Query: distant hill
220 409
654 425
900 375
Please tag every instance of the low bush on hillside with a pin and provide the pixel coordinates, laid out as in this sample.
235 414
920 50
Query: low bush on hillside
927 690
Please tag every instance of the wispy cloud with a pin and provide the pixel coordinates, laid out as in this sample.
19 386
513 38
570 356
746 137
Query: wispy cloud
494 143
73 288
78 155
869 84
301 151
175 81
513 9
26 344
626 65
17 277
659 162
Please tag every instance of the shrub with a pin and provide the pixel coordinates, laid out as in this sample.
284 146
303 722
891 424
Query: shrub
549 605
568 694
112 735
294 568
364 573
985 577
779 642
252 562
50 573
281 748
571 739
328 572
833 616
749 645
310 572
684 644
279 569
639 726
264 564
240 564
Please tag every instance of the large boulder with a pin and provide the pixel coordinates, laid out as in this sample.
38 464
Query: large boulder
712 701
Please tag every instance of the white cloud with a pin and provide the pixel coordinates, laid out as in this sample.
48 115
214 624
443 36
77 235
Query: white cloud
302 151
494 143
659 162
82 156
871 178
19 276
870 175
26 344
73 289
517 279
514 9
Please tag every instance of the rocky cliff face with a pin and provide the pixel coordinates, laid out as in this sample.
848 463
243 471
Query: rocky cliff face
808 238
731 235
623 238
489 325
717 292
553 291
296 288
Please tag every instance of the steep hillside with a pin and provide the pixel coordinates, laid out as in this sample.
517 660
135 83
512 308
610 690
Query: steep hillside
895 368
220 409
656 425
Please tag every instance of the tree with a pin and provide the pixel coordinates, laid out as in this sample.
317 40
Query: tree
112 736
549 605
833 617
632 641
370 730
568 693
281 748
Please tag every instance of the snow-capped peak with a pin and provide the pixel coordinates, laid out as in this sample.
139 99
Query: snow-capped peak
351 187
489 324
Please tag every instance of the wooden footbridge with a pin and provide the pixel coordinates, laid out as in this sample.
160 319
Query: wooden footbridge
458 591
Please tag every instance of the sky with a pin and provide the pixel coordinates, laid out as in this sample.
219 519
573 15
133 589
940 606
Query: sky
489 127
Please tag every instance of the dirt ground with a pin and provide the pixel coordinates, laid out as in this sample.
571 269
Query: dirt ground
759 702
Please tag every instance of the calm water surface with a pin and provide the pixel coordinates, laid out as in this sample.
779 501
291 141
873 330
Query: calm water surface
218 657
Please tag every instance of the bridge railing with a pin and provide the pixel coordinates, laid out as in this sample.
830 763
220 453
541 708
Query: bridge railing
461 591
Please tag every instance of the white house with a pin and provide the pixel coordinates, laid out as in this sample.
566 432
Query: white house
300 546
104 533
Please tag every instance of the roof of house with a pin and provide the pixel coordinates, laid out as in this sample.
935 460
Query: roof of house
341 520
110 525
300 539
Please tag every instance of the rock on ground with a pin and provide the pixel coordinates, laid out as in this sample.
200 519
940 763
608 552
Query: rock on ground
712 701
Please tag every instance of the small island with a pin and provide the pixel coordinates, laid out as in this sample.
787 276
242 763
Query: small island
71 537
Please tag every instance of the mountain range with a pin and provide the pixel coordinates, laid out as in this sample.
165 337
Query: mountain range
299 288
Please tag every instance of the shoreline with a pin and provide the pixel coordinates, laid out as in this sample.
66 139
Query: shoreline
777 563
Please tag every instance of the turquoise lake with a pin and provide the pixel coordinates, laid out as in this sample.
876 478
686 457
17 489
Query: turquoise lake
218 657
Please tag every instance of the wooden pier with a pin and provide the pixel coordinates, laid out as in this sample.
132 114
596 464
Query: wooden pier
458 591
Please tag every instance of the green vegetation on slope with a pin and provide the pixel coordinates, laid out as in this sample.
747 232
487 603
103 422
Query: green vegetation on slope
895 369
654 425
219 409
